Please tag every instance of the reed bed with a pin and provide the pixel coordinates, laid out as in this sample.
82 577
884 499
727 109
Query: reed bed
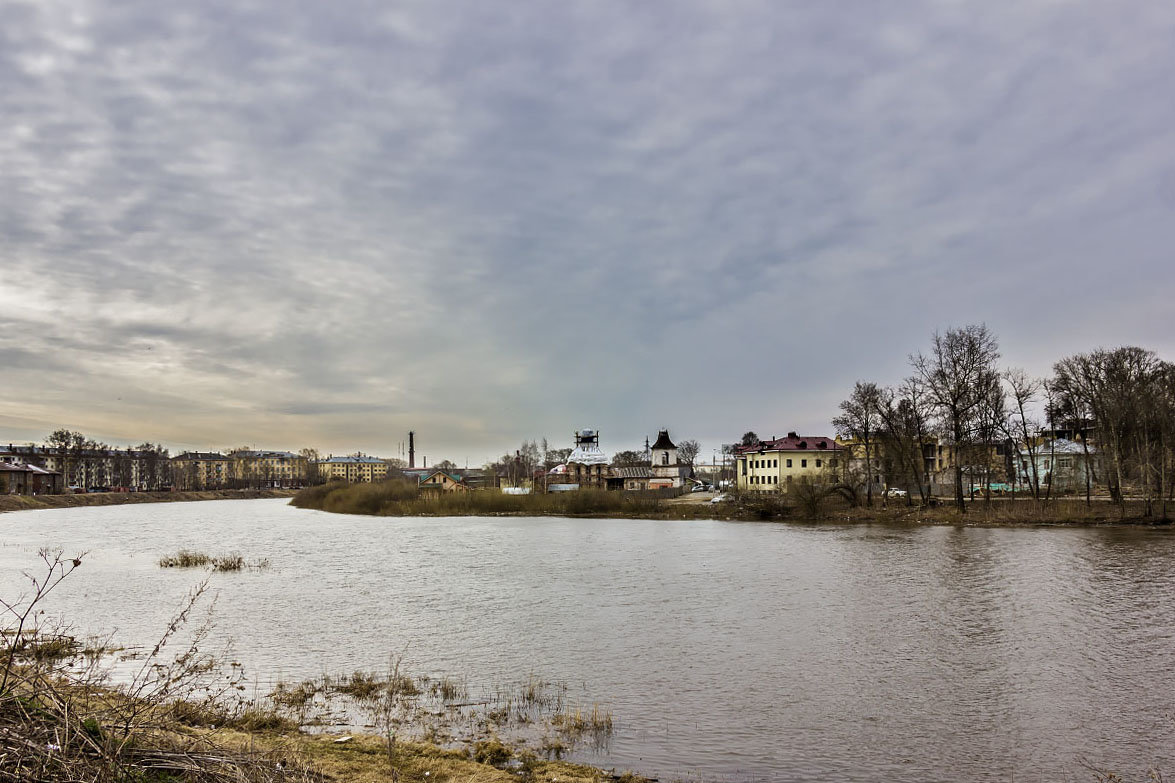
403 498
232 561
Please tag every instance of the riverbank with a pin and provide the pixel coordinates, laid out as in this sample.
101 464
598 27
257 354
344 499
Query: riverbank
26 502
400 499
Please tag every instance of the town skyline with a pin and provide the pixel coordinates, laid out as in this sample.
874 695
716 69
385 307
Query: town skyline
330 226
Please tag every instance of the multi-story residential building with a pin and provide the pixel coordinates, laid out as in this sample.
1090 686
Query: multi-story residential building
353 468
90 468
265 469
773 465
200 470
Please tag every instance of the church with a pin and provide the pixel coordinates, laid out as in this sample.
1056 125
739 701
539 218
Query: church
667 472
587 467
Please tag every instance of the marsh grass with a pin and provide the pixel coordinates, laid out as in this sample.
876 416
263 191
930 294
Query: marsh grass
578 723
232 561
448 689
370 687
185 558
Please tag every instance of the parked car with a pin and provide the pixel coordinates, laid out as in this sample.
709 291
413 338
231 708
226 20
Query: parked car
718 498
894 492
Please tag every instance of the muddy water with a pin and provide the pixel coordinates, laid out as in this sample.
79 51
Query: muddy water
726 651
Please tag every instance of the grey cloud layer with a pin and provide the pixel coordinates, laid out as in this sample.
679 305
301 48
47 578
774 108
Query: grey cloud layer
329 222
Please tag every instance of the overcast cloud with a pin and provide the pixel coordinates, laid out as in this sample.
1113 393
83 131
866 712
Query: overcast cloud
291 224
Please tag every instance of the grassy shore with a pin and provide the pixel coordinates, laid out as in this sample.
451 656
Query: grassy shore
24 502
58 728
183 714
401 498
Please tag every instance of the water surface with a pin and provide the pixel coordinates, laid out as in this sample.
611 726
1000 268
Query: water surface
726 650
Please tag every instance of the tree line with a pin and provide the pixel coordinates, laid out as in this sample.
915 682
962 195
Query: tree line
1118 404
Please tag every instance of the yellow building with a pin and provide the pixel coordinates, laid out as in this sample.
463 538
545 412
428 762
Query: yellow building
200 470
261 469
773 465
354 468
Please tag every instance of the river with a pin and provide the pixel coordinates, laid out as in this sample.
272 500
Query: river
727 651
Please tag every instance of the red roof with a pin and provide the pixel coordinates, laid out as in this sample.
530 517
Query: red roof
792 443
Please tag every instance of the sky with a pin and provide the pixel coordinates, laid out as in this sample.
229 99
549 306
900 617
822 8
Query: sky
290 224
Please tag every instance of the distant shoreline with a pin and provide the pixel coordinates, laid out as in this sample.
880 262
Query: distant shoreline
32 502
400 499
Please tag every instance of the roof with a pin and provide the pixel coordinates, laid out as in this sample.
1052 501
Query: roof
250 454
663 441
200 455
353 460
1060 446
792 442
587 449
634 472
10 467
432 473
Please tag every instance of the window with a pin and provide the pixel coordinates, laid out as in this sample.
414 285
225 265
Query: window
803 463
789 463
665 458
817 463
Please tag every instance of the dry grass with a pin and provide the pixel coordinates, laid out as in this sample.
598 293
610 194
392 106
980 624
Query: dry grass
403 498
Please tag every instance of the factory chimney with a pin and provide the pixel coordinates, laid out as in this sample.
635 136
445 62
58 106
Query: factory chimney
411 449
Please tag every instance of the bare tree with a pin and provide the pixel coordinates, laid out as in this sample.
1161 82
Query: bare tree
313 472
860 420
958 376
1019 425
1126 391
687 452
903 432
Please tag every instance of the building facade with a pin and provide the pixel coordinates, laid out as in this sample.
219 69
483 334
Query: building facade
1062 465
586 466
196 470
667 472
443 481
29 480
84 469
354 468
267 469
774 465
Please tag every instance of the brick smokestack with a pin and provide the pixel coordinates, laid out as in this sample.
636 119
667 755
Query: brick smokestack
411 449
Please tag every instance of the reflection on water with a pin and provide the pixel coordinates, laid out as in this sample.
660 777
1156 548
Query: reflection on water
726 651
